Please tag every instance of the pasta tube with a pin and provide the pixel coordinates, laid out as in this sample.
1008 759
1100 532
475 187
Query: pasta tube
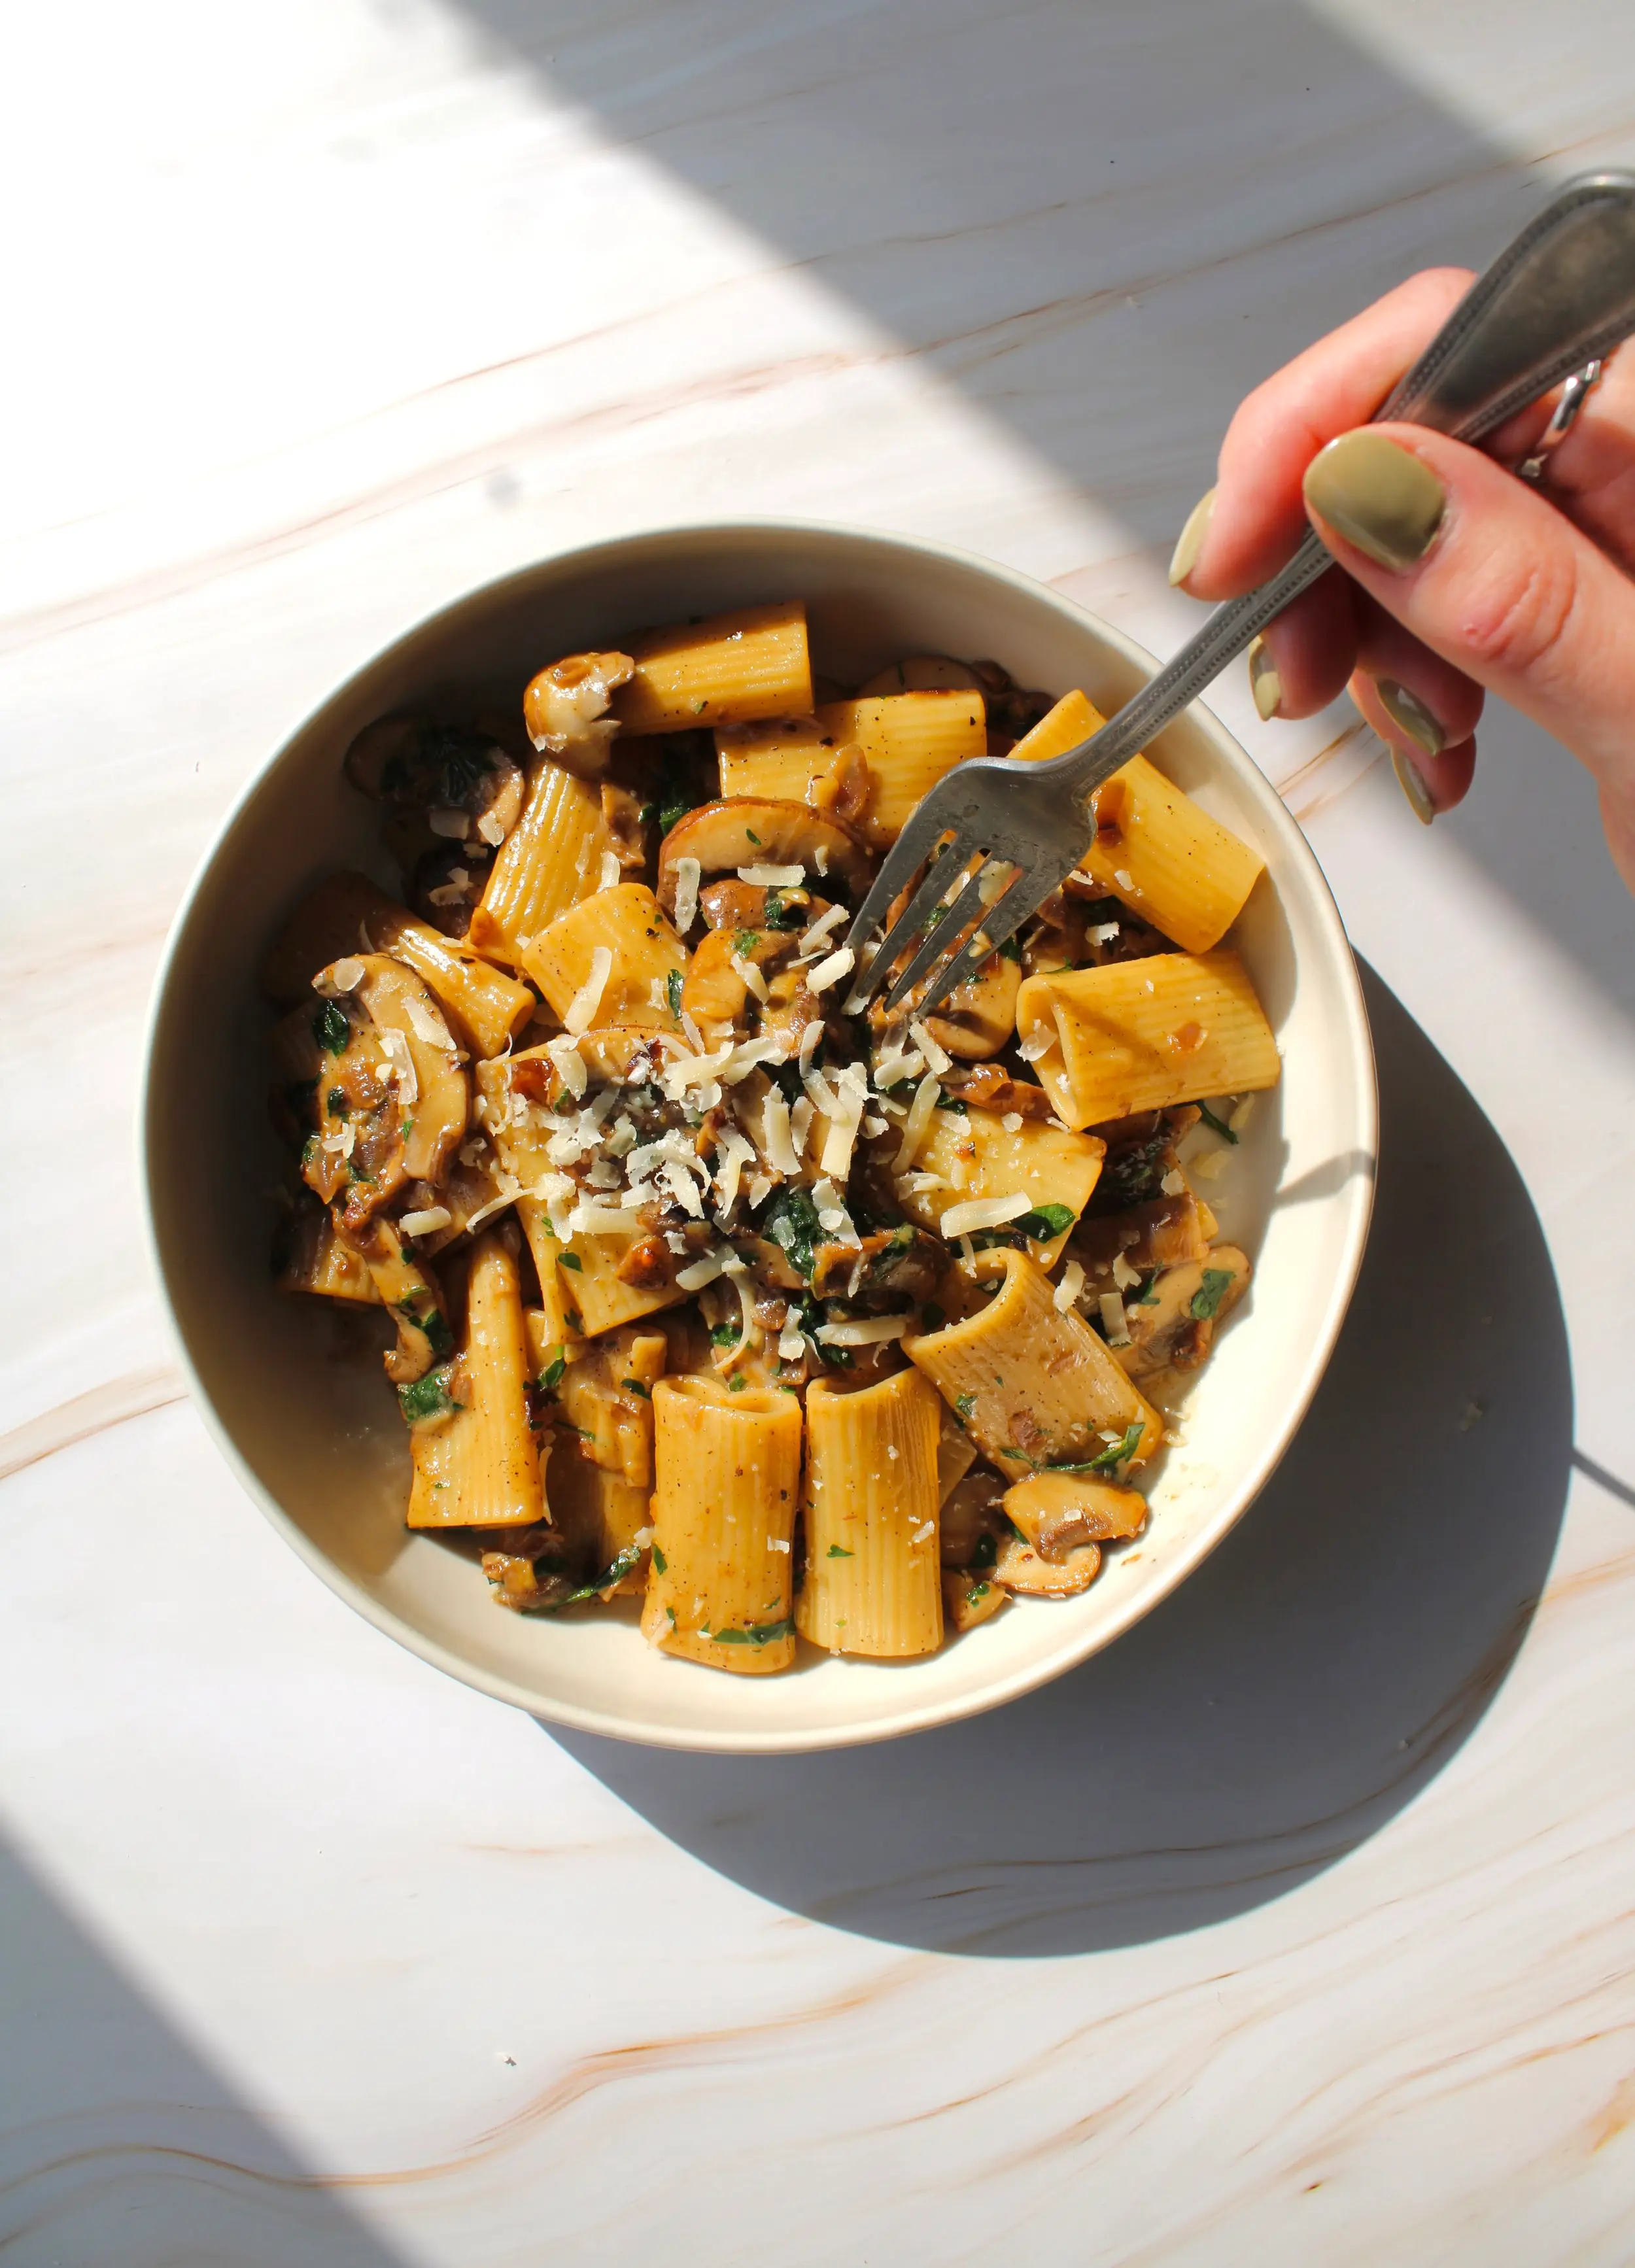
908 741
1145 1034
1033 1385
551 859
1155 850
613 959
348 915
720 1585
480 1468
873 1573
726 671
970 1157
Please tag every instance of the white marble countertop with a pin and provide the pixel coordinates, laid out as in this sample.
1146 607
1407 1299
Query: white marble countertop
1298 1926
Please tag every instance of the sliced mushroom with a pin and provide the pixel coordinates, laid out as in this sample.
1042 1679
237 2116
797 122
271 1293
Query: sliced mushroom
621 810
565 709
994 1089
446 884
414 1299
1019 1567
1173 1326
346 1110
432 1082
969 1596
715 991
1164 1232
471 1185
979 1017
891 1264
1056 1513
460 777
747 830
923 672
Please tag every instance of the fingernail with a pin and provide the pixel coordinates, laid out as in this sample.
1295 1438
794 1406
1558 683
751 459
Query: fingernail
1410 715
1265 682
1191 542
1378 495
1413 787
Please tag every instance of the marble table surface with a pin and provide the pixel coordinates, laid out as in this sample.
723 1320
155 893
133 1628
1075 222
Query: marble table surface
1298 1926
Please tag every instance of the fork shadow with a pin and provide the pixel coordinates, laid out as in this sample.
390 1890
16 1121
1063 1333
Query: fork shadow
1287 1701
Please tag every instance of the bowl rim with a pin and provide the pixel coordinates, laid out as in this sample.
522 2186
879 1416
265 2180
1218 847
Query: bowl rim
1027 1678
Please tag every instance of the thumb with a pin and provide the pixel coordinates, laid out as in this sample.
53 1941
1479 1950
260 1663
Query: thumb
1486 572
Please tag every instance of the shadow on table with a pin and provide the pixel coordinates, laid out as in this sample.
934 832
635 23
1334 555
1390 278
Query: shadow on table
119 2144
1295 1693
1104 226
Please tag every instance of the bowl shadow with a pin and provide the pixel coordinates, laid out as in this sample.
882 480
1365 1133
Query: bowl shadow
1290 1697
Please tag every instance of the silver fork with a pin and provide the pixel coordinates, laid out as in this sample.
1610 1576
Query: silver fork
1000 837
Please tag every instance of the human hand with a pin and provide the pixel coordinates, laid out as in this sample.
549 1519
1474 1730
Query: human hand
1456 575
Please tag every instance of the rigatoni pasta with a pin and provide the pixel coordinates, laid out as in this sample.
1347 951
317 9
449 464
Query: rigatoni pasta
699 1287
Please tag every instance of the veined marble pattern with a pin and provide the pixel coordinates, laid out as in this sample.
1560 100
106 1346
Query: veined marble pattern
1295 1928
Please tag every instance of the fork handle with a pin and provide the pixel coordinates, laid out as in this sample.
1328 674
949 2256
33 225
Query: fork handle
1561 295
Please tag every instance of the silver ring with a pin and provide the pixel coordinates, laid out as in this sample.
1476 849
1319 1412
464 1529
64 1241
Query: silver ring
1574 395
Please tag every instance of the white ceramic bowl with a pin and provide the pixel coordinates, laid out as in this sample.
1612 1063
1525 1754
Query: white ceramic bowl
317 1441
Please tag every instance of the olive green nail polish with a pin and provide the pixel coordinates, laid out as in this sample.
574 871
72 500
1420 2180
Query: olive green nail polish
1192 539
1410 715
1265 682
1378 495
1413 787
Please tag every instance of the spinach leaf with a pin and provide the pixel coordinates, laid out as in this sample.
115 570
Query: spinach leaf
791 1221
1205 1301
330 1027
1218 1125
1045 1222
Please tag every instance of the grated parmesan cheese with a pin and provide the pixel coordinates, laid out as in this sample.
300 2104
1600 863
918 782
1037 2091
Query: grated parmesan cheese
1241 1114
1036 1045
610 871
865 1330
1114 1320
831 969
985 1213
1012 1122
454 826
583 1006
773 878
810 939
427 1221
917 1122
939 1058
1174 1183
1067 1293
491 829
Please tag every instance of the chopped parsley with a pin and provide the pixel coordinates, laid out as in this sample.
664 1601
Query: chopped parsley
570 1259
736 1382
1045 1222
1011 949
1148 1296
726 1335
673 990
977 1593
952 1102
753 1634
744 942
660 1563
635 1385
1117 1453
791 1223
334 1101
330 1027
428 1397
1217 1125
964 1404
754 837
550 1377
780 914
1205 1301
987 1550
615 1572
838 1551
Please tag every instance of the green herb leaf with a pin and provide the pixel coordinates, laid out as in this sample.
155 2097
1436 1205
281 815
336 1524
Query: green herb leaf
635 1385
964 1404
1011 949
839 1551
1117 1453
1147 1297
570 1259
574 1320
1045 1222
744 942
977 1593
725 1335
792 1221
613 1573
1206 1302
335 1103
952 1102
754 837
551 1375
1219 1125
660 1563
781 914
330 1027
428 1397
987 1550
754 1634
673 990
736 1383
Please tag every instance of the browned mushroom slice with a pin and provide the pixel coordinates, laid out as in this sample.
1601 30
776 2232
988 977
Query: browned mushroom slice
415 1301
461 778
472 1187
621 810
1057 1511
337 1097
1162 1233
997 1089
969 1597
894 1263
432 1086
1173 1324
715 992
979 1016
565 709
446 884
1020 1568
748 830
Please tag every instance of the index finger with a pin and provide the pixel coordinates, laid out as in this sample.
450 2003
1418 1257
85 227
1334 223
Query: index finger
1258 517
